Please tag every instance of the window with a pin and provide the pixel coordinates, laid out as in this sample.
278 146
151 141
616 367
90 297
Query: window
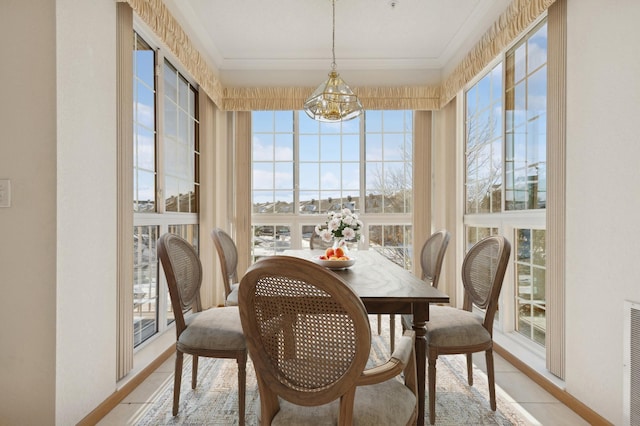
166 187
302 169
505 185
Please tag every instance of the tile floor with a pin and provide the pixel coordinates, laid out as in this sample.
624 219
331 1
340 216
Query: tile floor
537 405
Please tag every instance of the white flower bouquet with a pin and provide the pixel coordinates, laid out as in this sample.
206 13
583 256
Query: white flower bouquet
343 224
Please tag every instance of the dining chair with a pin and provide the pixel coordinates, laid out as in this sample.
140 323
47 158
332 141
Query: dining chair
215 332
431 258
309 337
317 243
464 331
228 255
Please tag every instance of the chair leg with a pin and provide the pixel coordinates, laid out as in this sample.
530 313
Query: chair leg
392 326
242 384
470 369
491 379
177 381
379 324
194 372
432 389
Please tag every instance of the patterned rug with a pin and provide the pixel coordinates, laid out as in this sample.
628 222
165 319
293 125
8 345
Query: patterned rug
214 401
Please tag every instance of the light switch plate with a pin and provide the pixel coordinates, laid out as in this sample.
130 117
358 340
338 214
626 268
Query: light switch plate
5 193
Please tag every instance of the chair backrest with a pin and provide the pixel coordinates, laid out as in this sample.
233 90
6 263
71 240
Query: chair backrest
317 243
307 332
432 256
483 272
183 271
228 255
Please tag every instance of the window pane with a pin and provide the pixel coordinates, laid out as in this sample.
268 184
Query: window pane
388 182
262 121
145 283
263 176
330 148
262 147
284 147
531 282
310 177
269 240
309 148
528 88
392 241
283 176
330 176
284 121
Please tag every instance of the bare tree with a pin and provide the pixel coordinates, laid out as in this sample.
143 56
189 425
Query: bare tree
484 176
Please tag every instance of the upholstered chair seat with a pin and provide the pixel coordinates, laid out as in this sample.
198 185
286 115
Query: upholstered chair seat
394 408
199 335
451 327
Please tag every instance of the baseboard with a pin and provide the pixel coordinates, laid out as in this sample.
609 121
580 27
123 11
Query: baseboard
114 399
563 396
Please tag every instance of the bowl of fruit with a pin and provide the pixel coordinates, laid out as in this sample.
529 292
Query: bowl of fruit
335 259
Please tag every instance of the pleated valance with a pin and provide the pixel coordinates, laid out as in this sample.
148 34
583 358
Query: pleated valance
518 16
280 98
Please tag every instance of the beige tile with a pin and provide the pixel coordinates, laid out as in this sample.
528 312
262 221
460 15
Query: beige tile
499 364
169 365
552 414
521 388
154 384
123 415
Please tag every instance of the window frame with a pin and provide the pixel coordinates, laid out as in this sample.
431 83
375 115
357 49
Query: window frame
506 221
295 220
160 217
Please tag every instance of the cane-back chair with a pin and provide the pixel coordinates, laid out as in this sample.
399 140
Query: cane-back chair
431 258
215 332
228 255
464 331
309 338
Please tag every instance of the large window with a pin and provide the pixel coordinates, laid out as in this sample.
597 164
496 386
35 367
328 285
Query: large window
302 169
166 157
505 185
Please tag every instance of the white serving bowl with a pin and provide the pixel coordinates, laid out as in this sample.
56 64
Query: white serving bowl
334 264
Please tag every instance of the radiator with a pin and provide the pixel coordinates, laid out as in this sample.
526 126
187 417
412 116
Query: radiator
631 363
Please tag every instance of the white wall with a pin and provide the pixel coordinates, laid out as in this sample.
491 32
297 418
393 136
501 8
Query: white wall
86 219
58 238
28 227
603 195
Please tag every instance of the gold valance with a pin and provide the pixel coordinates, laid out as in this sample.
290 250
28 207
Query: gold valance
285 98
518 16
156 15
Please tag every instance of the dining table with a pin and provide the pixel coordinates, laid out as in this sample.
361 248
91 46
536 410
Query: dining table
387 288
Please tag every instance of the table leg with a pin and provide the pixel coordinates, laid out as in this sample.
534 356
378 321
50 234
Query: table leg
420 317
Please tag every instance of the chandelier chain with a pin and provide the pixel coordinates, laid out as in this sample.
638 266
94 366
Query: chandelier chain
333 36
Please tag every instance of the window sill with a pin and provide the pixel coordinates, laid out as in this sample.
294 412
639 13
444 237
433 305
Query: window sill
534 360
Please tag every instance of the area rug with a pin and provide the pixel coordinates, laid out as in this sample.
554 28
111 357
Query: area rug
214 401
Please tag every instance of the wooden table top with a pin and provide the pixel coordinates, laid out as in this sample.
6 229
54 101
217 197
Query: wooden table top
376 278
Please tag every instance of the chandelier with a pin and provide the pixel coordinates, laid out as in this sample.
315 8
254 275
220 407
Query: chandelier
333 100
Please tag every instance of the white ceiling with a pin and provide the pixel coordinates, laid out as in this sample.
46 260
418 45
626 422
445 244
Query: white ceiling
288 42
